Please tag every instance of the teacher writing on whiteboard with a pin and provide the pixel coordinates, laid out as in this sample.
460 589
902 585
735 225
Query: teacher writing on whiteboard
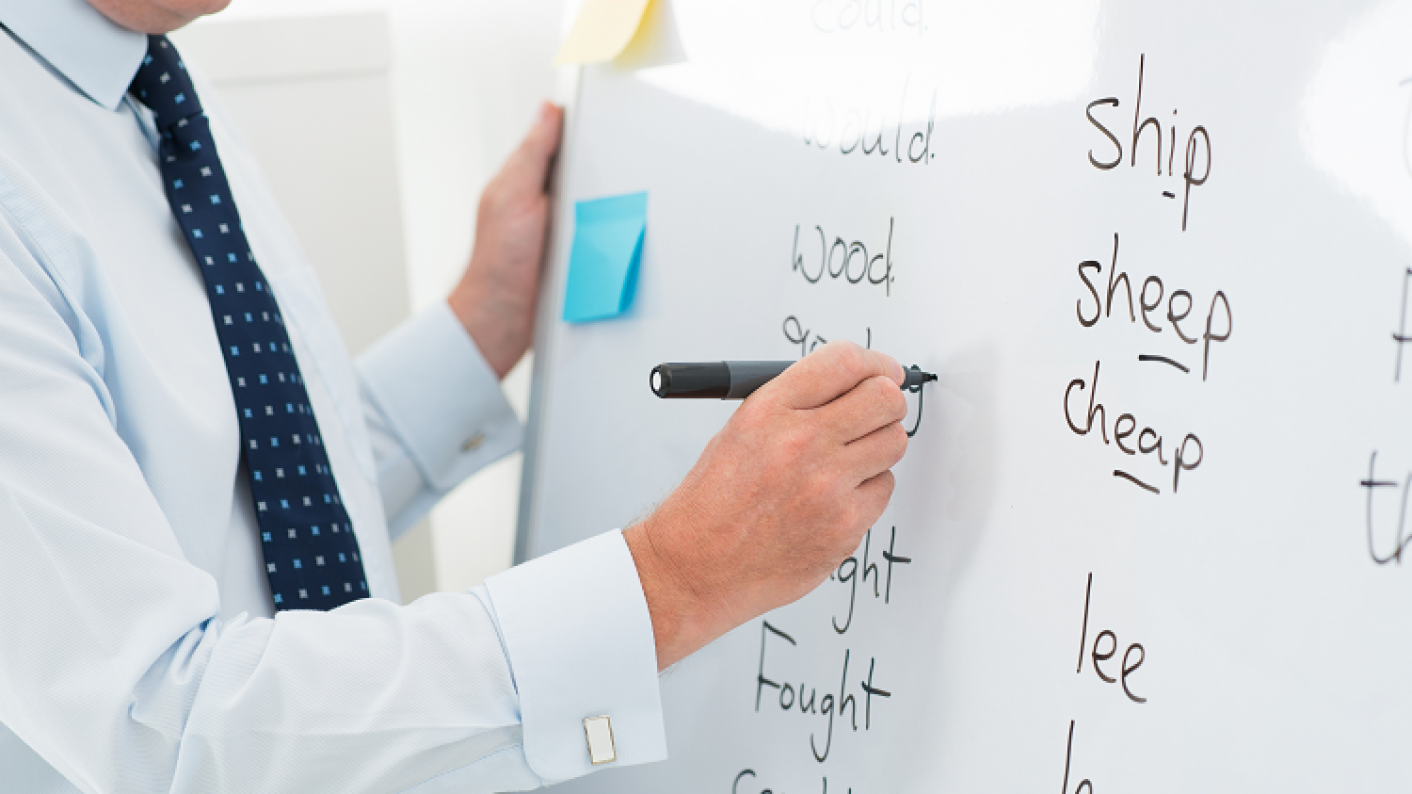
197 486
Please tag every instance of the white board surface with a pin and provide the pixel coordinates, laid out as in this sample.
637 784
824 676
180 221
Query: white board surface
1262 583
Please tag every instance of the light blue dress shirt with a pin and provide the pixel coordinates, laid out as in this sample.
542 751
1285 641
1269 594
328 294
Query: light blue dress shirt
138 651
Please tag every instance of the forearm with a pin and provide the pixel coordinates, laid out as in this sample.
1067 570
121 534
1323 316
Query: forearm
129 685
434 411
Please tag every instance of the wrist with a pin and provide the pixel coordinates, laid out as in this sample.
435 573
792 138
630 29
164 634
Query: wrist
492 336
681 624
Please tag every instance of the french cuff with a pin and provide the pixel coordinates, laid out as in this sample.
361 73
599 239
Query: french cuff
579 638
440 397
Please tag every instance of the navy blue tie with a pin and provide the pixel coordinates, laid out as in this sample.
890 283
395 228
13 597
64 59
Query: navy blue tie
311 553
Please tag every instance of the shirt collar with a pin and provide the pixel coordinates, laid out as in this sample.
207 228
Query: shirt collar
96 54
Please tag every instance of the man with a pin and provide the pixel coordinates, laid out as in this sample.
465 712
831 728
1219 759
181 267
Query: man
196 483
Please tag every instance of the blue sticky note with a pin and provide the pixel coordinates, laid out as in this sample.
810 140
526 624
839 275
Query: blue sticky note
603 262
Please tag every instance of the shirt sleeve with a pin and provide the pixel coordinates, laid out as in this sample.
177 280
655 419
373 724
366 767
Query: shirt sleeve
579 637
118 672
435 413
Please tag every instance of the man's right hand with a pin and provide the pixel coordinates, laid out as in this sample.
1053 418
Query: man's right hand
779 498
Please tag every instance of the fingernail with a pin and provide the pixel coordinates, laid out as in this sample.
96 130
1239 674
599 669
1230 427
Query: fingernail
544 112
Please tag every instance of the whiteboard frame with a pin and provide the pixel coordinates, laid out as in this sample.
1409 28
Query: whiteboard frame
567 88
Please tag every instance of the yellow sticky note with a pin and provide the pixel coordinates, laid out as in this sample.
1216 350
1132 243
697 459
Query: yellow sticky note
602 30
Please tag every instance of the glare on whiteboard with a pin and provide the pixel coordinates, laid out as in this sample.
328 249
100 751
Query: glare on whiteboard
1357 124
954 57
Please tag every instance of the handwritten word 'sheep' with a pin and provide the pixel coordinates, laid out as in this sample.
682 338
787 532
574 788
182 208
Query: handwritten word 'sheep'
1147 303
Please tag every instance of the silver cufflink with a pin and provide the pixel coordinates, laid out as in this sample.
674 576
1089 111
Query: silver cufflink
599 731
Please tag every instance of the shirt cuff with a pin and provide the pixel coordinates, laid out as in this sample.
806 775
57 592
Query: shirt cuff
579 639
439 396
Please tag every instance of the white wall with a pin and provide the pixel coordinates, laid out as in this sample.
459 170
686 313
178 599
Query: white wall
466 79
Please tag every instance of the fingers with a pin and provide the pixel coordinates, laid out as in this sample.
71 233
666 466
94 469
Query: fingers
529 165
873 495
830 372
872 404
876 452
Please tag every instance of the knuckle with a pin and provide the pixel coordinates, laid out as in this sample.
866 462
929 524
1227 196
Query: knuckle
762 410
753 411
897 440
869 389
887 482
882 389
897 402
850 360
847 514
851 519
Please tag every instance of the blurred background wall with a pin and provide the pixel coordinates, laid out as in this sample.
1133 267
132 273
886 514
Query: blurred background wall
415 103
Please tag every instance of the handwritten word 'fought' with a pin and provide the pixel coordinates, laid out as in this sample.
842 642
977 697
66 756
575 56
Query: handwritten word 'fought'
1187 456
1198 145
847 260
828 707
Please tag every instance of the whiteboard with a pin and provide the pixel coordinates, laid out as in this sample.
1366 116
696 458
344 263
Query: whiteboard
1244 570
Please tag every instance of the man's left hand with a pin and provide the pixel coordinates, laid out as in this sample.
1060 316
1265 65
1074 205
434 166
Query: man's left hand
496 297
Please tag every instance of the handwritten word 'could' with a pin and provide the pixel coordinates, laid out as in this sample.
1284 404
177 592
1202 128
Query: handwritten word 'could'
745 782
877 16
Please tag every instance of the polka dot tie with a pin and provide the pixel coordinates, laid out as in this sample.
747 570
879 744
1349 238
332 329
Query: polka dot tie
311 554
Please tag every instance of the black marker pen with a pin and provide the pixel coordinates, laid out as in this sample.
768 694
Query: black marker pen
736 380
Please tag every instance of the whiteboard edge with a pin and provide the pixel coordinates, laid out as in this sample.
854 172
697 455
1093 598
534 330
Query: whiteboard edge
567 89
